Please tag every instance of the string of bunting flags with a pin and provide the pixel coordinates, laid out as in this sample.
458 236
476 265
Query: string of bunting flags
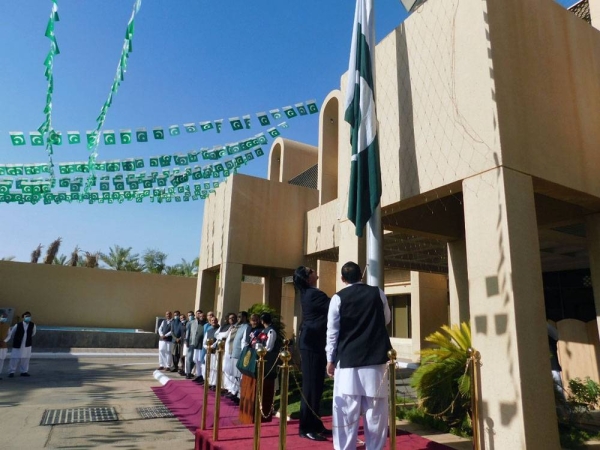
169 184
127 136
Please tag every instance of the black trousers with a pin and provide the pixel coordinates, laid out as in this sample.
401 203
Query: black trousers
313 378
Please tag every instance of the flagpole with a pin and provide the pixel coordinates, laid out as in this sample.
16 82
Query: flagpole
375 250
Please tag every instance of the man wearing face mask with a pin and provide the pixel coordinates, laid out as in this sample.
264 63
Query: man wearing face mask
21 334
4 329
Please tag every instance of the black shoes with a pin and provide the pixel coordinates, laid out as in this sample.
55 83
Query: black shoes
161 368
11 375
25 374
312 436
326 432
188 377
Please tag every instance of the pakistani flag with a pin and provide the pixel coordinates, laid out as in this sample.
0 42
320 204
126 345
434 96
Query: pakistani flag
73 137
275 113
190 127
273 132
36 138
236 123
218 125
17 137
312 106
365 172
301 109
109 137
247 123
174 130
158 133
125 136
290 113
141 135
263 119
205 126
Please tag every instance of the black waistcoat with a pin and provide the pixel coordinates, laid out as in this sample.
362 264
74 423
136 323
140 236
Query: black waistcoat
20 332
363 339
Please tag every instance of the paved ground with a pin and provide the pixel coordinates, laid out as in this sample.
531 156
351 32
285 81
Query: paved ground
91 378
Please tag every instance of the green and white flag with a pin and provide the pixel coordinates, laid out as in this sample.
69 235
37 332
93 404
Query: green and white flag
312 107
154 161
301 109
275 113
158 133
92 138
109 137
55 137
73 137
174 130
219 125
205 126
365 172
259 152
236 123
36 138
141 135
247 123
263 119
17 138
125 136
290 113
190 127
283 125
273 132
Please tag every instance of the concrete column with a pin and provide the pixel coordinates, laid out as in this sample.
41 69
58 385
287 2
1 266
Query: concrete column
273 291
458 282
595 13
351 248
429 306
592 231
230 289
328 274
507 312
206 290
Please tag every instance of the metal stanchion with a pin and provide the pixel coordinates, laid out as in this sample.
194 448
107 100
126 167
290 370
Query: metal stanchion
285 357
209 343
474 357
261 351
392 367
220 352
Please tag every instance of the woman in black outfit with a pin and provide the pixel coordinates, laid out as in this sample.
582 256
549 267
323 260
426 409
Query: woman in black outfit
313 332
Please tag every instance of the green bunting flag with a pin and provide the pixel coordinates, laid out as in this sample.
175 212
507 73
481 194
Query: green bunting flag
141 135
73 137
259 152
263 119
205 126
301 109
125 136
55 137
219 125
312 106
246 120
17 138
109 137
174 130
190 127
283 125
289 112
273 132
36 138
275 113
236 123
92 138
158 133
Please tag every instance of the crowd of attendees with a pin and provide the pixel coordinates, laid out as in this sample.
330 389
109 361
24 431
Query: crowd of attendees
183 343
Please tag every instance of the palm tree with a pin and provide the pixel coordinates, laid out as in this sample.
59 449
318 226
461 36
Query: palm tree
155 261
120 258
52 251
35 255
73 262
442 382
91 260
60 260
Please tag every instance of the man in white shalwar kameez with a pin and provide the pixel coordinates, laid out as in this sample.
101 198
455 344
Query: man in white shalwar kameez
357 346
21 334
165 342
4 334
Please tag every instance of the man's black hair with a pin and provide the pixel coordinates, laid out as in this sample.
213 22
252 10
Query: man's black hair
351 272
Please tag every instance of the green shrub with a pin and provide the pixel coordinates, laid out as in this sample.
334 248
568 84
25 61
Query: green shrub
441 381
584 392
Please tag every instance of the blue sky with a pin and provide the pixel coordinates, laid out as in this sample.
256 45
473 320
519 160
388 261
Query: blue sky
192 61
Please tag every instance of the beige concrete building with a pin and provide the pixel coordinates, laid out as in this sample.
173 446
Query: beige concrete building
489 127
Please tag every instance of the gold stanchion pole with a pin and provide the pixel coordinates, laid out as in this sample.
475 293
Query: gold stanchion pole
285 357
220 351
474 357
261 351
209 343
392 366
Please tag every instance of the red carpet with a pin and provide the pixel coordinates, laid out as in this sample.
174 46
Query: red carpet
184 399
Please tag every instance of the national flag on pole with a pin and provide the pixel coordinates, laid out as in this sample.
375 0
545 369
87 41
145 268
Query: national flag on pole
365 172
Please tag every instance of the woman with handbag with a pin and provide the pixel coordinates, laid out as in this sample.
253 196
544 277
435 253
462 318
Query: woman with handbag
313 333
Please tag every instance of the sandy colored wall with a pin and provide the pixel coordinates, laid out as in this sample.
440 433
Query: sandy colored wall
288 159
251 294
547 75
77 296
267 222
213 244
576 349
